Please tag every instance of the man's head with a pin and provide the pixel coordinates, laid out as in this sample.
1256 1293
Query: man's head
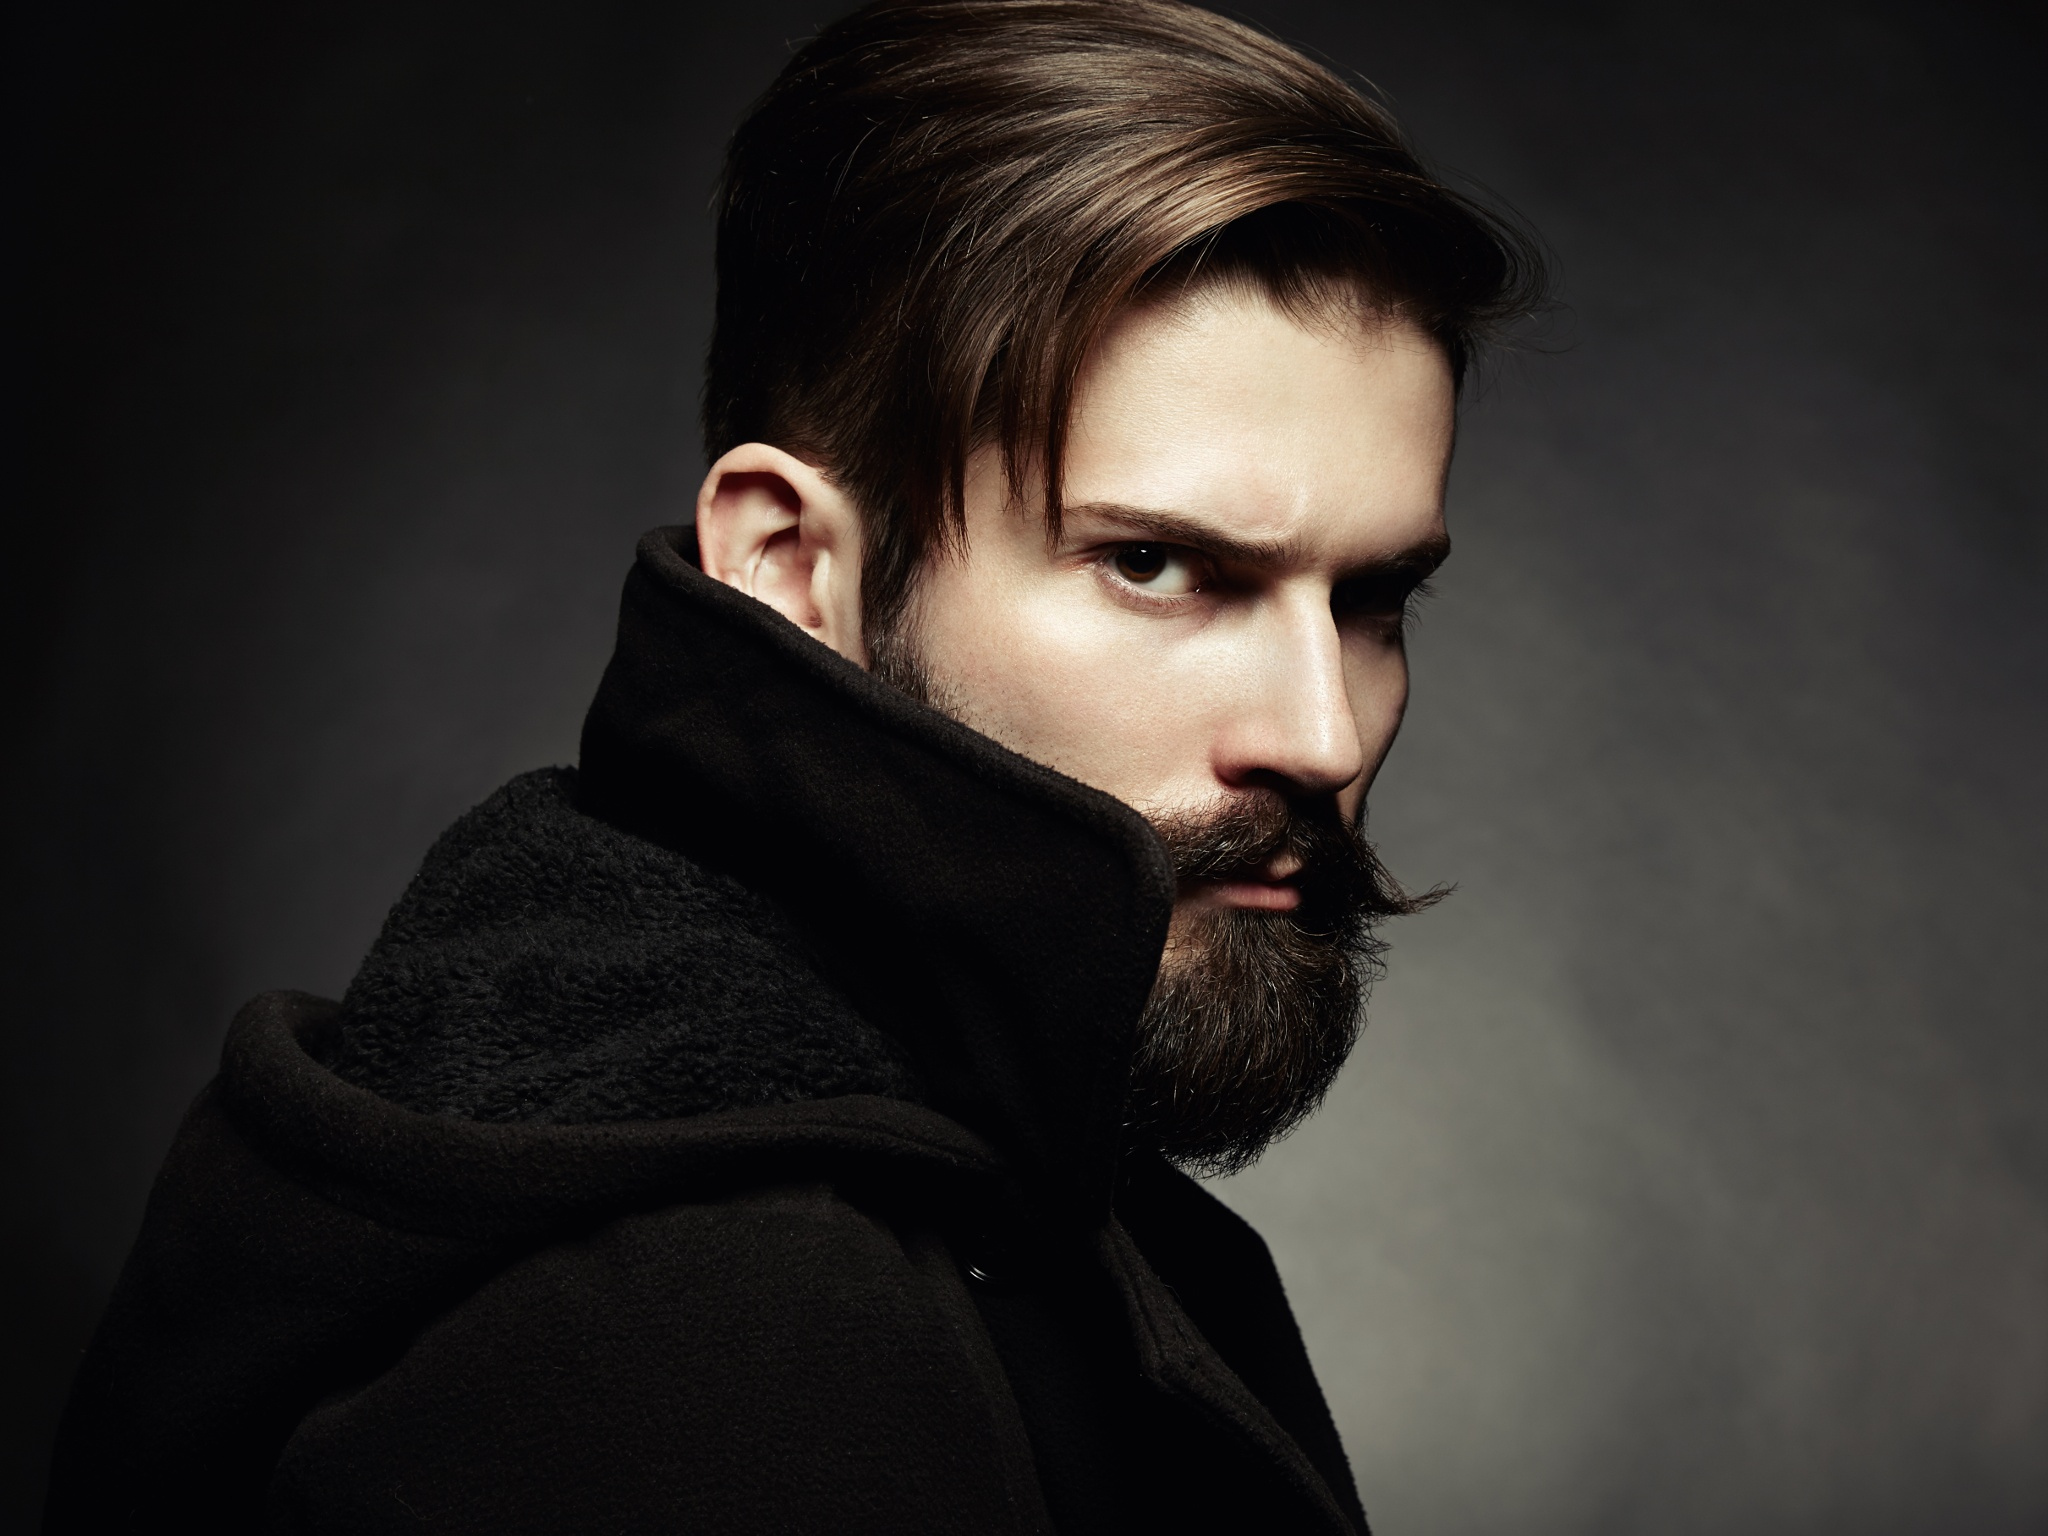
1088 369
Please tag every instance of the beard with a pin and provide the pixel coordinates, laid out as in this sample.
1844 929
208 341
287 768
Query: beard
1254 1011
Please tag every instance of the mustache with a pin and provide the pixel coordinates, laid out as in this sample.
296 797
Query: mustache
1342 879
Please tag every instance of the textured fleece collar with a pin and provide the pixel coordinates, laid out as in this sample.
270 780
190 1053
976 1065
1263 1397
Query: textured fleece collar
547 969
1001 920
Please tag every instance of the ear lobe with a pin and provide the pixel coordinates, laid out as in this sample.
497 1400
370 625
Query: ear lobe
778 530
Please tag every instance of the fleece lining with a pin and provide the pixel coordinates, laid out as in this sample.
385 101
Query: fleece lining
545 967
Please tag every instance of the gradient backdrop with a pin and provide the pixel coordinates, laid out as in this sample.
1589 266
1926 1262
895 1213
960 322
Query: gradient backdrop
1693 1176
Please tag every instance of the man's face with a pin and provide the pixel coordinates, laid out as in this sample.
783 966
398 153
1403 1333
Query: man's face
1215 637
1249 505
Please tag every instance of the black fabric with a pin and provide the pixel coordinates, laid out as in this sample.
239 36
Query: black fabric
344 1316
1000 919
722 1139
544 966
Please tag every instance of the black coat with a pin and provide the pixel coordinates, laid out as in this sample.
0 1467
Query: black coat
725 1137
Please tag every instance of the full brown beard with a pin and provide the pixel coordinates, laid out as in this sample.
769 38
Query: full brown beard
1253 1011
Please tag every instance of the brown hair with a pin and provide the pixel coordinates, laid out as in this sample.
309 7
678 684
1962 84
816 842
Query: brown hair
937 207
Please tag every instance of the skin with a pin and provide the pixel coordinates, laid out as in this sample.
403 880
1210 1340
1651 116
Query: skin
1251 502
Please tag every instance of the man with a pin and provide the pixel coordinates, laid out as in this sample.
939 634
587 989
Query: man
777 1123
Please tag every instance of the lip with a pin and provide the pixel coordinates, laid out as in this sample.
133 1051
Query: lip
1252 895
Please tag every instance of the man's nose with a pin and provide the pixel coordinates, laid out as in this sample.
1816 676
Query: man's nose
1297 721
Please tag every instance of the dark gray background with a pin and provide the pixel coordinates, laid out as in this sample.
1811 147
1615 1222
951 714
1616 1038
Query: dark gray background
1693 1176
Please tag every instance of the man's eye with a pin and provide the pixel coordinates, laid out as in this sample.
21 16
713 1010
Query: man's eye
1158 568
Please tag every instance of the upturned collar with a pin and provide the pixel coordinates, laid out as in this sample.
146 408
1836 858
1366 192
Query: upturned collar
1003 921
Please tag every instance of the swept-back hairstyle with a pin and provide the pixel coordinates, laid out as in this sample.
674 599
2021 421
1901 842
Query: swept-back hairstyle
938 206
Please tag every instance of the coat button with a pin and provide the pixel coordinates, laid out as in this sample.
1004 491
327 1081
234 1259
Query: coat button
984 1261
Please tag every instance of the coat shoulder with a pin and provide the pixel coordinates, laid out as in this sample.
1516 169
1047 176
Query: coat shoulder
780 1359
339 1310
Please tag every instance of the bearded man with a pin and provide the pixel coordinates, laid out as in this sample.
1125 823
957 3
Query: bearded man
782 1121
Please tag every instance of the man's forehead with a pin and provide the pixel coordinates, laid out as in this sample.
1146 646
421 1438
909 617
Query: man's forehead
1239 418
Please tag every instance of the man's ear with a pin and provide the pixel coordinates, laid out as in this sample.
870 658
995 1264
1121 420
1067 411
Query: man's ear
773 526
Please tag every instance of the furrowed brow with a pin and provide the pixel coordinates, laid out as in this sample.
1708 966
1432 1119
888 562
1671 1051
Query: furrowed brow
1156 525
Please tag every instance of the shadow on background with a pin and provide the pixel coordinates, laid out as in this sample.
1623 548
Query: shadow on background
1694 1175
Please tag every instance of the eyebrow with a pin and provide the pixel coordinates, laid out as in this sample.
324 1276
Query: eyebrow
1155 525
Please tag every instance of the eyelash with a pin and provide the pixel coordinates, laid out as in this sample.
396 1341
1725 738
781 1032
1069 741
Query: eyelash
1411 608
